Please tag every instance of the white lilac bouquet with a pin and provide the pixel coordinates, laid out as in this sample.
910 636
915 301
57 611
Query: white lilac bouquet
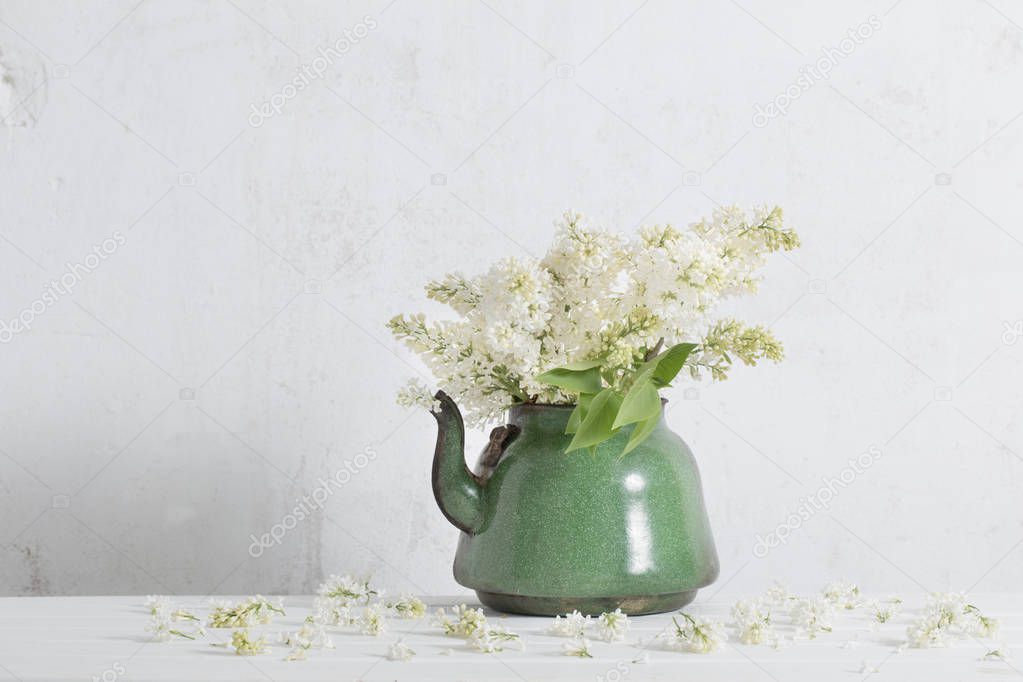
601 322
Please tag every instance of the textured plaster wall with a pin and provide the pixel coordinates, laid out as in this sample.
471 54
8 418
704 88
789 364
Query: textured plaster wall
217 351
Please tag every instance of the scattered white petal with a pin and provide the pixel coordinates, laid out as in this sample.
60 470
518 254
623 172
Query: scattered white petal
400 652
572 624
1000 654
579 647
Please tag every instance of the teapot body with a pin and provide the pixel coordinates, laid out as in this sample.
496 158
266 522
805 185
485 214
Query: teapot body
597 531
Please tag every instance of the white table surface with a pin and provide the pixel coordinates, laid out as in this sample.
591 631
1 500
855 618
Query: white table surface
84 638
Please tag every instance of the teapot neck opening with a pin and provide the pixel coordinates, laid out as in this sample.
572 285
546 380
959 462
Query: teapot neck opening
534 415
545 414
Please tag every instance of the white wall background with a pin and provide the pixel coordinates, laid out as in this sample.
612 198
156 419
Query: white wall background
200 379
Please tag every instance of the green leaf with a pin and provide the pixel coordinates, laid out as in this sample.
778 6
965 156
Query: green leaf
640 432
582 364
586 380
598 425
579 413
642 402
669 363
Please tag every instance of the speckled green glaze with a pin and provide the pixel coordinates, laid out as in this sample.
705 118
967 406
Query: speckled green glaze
546 532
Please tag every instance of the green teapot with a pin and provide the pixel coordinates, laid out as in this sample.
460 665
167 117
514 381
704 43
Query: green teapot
546 532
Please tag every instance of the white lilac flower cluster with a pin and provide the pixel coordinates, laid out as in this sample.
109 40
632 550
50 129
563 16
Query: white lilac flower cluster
883 611
595 295
256 610
812 616
245 644
695 634
572 624
166 620
752 621
408 607
842 595
472 625
311 635
346 590
948 617
610 626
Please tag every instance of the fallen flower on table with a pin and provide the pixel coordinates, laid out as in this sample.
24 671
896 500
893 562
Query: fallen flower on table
163 615
753 624
579 647
253 611
408 607
330 611
612 626
695 635
372 621
843 595
400 652
156 603
946 618
571 625
981 625
777 595
882 612
336 597
812 616
309 636
244 645
466 622
346 590
492 638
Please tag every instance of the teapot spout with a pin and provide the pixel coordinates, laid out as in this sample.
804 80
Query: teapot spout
458 492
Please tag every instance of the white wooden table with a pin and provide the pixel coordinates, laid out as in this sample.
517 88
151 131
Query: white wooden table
83 638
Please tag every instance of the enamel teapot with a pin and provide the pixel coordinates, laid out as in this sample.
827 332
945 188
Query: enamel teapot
547 532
